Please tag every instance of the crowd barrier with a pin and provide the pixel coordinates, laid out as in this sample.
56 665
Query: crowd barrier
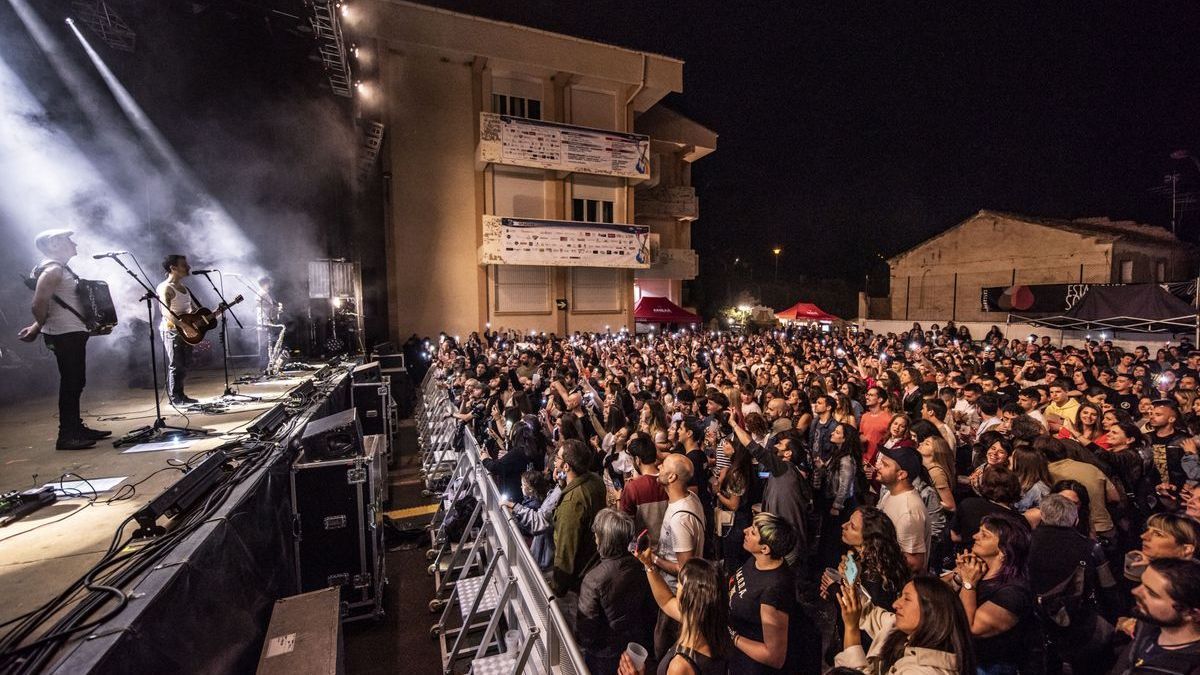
497 611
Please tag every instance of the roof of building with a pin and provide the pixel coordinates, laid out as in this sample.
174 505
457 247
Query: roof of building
510 24
1100 227
665 124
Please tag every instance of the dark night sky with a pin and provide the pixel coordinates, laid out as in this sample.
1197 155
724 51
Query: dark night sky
847 129
851 128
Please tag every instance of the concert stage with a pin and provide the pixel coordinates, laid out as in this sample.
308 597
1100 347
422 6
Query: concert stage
204 603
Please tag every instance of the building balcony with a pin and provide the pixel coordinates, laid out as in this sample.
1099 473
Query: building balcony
676 202
672 263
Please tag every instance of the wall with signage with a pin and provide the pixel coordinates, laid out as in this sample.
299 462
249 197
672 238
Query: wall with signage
547 145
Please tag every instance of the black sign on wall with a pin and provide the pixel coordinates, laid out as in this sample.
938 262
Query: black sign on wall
561 303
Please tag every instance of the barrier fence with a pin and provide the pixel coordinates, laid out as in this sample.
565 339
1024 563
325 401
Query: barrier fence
497 611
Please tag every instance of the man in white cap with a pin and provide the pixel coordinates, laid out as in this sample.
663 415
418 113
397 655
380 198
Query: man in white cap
58 318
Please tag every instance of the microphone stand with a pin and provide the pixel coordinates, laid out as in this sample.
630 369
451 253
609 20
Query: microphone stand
159 430
230 395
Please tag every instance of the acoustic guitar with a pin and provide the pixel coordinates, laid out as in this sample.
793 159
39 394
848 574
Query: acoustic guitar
193 325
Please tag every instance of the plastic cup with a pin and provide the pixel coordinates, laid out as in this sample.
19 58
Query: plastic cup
637 654
512 640
1135 565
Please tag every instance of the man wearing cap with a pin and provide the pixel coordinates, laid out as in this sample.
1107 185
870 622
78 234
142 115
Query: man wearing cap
57 317
896 468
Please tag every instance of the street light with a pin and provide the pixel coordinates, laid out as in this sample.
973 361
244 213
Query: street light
777 250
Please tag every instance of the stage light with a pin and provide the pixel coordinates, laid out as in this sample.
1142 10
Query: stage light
345 11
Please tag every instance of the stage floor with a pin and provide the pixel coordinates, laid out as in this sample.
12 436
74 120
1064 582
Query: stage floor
42 553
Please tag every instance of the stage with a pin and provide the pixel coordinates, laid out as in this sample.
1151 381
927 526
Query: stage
44 552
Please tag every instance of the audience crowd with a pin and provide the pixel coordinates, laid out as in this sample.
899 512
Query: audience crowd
831 500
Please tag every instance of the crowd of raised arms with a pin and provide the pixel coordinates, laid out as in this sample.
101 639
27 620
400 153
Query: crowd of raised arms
813 500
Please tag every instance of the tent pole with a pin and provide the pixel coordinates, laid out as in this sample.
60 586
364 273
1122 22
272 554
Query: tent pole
1196 318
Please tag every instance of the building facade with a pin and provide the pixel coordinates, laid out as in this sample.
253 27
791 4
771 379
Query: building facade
439 73
941 279
667 202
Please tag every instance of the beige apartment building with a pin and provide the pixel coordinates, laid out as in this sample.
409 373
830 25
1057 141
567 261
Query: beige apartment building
667 202
942 277
443 77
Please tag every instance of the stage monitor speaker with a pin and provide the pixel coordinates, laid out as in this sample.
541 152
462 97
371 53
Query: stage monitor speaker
334 437
367 372
391 361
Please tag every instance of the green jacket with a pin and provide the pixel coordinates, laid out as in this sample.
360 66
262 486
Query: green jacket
574 545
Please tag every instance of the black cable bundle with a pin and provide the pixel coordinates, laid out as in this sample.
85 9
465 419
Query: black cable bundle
116 570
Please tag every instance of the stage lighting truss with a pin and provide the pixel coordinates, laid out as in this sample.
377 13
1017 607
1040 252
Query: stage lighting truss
101 19
372 139
327 27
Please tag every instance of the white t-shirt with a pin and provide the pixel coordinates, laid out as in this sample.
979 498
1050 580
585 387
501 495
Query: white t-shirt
907 512
682 530
60 320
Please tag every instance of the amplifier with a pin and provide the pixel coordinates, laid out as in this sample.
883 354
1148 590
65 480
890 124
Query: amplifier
336 436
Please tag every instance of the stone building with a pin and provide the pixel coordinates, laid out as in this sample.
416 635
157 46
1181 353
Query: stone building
941 278
667 202
440 74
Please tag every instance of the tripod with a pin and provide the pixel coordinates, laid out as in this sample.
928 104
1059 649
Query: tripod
230 396
159 430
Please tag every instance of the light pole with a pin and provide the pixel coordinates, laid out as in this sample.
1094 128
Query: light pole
777 250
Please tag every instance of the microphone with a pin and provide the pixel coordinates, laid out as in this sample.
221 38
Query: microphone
204 271
110 254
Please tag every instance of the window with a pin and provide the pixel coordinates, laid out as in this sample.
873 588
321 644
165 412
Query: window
592 210
522 289
596 289
1160 271
1127 271
517 106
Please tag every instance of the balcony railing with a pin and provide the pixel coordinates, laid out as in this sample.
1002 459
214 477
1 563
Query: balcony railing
672 263
678 202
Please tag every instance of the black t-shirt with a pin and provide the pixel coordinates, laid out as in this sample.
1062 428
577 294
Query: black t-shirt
1146 656
1125 402
1009 393
749 589
970 513
1009 646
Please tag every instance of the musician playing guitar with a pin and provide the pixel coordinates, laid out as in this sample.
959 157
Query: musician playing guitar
178 297
64 332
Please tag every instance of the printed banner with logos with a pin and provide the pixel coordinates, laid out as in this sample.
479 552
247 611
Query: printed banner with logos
518 141
563 243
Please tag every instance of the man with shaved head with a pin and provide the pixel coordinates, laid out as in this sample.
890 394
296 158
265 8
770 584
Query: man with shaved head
681 538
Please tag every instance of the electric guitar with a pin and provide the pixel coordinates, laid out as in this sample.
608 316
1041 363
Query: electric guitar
193 325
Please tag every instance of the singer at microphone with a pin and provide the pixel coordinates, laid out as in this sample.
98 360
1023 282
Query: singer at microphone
110 254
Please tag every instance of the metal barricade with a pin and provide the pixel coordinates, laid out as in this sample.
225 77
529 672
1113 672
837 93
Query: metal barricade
493 546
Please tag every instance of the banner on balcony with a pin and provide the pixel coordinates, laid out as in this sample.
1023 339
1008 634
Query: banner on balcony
563 243
519 141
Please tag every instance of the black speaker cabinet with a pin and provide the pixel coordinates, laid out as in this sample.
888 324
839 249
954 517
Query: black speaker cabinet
338 524
373 402
333 437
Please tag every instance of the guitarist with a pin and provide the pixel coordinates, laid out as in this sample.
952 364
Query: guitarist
175 295
57 317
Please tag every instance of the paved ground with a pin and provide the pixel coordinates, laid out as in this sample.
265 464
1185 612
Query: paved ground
400 642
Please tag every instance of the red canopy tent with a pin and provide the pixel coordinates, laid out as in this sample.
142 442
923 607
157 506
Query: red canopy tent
805 311
652 309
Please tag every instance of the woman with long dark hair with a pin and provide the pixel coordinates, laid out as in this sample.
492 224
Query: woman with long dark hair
1034 474
995 594
700 606
871 537
842 486
927 633
735 493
